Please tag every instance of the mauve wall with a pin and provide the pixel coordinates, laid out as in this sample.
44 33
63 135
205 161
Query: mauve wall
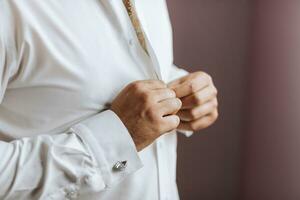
257 138
212 35
272 145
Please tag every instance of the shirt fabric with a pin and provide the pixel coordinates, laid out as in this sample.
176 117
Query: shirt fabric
62 62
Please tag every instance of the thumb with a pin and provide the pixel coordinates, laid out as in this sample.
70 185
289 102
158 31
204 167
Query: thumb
175 83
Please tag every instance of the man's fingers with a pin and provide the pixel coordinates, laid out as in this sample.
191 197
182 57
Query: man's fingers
198 112
199 97
190 86
156 84
176 82
170 123
199 124
150 84
169 106
163 94
195 125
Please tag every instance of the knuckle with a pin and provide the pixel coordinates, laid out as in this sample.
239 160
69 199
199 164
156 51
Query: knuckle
137 85
215 103
177 103
194 85
215 91
145 97
215 115
202 74
193 114
197 100
176 122
194 126
206 76
172 93
152 114
199 74
209 78
167 93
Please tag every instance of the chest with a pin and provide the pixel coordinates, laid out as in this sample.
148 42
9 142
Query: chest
75 57
88 47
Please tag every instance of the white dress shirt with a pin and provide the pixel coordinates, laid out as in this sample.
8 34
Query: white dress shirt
62 62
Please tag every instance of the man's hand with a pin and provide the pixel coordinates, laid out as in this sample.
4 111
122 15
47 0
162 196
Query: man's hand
199 101
147 108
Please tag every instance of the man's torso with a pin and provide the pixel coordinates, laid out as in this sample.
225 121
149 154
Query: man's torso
71 58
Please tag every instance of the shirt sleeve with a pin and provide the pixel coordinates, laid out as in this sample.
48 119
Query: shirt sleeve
89 157
81 160
174 74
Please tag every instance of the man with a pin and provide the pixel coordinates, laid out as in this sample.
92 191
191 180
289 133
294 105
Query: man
88 109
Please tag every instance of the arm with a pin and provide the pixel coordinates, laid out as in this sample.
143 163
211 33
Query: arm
79 160
83 158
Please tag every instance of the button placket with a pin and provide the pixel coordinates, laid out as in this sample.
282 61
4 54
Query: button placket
130 42
154 64
162 170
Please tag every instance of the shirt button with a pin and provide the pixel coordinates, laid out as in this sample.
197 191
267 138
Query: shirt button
130 42
120 166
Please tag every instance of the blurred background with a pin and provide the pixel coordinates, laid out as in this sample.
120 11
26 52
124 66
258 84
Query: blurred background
252 49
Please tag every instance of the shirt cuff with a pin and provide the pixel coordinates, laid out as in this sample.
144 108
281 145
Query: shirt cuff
186 133
111 145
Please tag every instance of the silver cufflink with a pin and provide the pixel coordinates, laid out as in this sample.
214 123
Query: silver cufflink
72 194
120 165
